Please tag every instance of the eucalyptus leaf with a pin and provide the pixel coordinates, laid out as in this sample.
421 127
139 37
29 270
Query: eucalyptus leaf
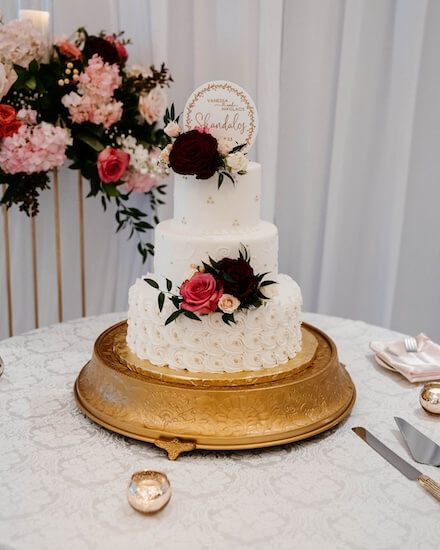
152 283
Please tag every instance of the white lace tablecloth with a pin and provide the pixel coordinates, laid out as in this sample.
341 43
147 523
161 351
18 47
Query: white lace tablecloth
63 478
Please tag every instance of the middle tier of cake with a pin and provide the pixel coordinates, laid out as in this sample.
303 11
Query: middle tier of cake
176 252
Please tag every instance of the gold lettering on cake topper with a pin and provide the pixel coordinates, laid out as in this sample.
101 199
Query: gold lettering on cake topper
233 113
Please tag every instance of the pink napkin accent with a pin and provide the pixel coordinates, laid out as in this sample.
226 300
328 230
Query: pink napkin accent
420 366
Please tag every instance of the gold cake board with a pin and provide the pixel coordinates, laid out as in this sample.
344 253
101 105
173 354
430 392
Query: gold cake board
180 411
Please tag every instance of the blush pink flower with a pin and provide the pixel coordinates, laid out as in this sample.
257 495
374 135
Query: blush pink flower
201 293
139 183
34 149
99 78
112 164
202 129
152 106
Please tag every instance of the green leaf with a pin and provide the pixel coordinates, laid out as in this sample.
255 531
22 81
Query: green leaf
266 283
191 315
31 83
228 318
220 180
91 141
169 284
176 301
228 278
160 300
228 175
173 316
152 283
111 190
33 67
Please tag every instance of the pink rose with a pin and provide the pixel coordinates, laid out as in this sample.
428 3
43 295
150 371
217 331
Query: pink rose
68 49
120 48
112 164
201 293
152 106
202 130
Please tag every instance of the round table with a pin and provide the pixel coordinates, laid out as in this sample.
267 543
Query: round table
63 478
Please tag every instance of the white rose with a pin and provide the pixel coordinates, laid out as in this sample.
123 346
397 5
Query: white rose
269 291
152 106
172 129
237 162
224 146
7 77
137 71
228 303
164 156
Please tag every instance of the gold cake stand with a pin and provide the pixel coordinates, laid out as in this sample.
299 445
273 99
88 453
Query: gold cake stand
180 411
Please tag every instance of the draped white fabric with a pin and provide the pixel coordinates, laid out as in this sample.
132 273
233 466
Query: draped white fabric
347 94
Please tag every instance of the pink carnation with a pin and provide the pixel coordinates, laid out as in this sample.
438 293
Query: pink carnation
34 149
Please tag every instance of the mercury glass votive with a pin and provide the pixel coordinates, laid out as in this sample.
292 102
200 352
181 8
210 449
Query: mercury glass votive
148 491
430 397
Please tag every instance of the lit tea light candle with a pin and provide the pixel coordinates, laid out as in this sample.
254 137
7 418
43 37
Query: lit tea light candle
149 491
40 20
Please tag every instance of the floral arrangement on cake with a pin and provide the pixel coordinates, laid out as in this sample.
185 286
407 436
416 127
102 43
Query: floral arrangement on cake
198 153
226 286
78 99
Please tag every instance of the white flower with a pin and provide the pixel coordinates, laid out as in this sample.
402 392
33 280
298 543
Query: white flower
172 129
7 78
152 106
137 71
224 146
237 162
164 156
27 116
228 303
269 291
21 42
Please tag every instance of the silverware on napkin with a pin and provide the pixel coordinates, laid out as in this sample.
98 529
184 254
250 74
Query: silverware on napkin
422 449
406 469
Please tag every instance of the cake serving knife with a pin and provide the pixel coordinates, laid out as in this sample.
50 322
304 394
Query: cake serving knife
422 449
395 460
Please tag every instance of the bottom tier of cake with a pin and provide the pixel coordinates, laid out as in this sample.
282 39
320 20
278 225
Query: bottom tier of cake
260 338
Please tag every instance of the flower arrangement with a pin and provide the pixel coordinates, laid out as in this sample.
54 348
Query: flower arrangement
78 99
198 153
226 286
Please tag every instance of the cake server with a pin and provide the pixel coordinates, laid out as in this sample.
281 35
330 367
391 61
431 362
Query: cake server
406 469
422 448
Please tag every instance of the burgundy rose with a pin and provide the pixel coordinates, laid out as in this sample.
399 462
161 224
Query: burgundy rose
241 280
104 49
120 48
201 293
195 153
112 164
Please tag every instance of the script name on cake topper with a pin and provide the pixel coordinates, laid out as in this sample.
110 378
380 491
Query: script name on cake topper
225 109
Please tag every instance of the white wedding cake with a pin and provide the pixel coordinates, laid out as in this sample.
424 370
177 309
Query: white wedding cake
218 251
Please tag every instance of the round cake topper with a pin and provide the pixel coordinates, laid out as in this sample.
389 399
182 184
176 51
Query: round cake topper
225 109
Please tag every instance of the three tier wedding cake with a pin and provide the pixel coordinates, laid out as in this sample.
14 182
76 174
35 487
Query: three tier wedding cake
215 302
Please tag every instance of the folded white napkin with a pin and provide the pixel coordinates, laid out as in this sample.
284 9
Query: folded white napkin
419 366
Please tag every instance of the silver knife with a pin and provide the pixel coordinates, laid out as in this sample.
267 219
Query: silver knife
422 448
406 469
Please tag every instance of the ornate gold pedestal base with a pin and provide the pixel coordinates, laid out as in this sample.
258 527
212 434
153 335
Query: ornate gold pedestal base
180 411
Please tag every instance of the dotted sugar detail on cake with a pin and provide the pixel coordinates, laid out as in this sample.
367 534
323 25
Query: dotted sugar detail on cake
261 338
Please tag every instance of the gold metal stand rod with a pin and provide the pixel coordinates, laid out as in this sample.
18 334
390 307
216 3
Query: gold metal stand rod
81 245
34 269
7 263
58 244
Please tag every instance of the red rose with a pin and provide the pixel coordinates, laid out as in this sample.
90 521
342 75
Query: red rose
104 49
7 113
195 153
7 130
241 278
112 164
201 293
120 48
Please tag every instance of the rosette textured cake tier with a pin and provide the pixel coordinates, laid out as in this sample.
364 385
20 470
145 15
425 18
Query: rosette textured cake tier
216 223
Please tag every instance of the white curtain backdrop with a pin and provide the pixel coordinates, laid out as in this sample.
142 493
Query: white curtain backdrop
347 93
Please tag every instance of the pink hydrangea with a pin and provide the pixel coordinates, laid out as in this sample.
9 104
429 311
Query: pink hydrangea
94 100
139 183
34 149
99 78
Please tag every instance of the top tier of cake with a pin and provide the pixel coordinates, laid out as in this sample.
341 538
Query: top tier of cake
200 207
